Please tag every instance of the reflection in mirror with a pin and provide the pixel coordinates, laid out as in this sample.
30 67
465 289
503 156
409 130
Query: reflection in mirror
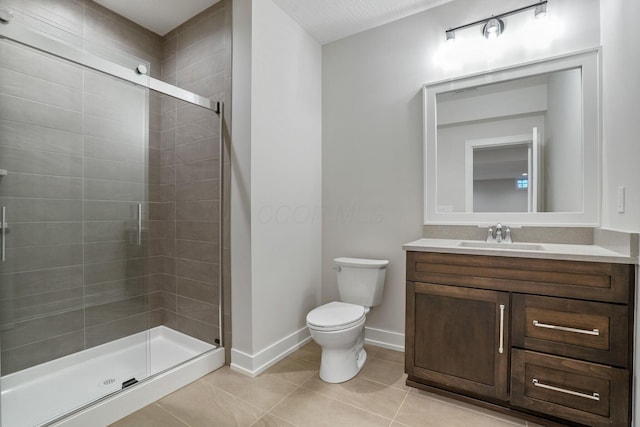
491 116
500 179
501 174
483 132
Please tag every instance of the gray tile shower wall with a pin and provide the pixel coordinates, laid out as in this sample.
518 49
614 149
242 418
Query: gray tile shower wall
185 201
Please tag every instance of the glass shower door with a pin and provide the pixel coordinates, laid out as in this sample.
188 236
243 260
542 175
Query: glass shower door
117 302
74 296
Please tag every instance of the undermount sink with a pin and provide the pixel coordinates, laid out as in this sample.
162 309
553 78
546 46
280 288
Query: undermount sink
496 245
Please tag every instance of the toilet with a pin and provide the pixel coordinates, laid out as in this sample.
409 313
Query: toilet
338 327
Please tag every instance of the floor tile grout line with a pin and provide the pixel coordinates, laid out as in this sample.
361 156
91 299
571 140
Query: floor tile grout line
298 387
295 384
263 412
172 415
399 408
475 411
274 416
345 403
233 395
381 359
386 385
454 405
354 405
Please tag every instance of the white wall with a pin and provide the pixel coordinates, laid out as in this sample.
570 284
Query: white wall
498 195
621 129
286 173
500 100
563 154
372 129
241 177
621 110
276 264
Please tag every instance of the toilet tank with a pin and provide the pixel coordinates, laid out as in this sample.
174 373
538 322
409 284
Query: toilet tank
361 281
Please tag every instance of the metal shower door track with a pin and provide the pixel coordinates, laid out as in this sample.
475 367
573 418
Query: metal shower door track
19 33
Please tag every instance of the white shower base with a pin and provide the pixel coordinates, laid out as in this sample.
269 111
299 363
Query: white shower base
38 395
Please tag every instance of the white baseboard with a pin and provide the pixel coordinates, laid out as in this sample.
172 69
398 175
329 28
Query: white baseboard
254 365
385 339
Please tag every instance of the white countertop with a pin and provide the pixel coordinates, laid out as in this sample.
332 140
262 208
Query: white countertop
591 253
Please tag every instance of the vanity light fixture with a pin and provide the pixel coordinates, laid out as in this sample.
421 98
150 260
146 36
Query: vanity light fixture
450 35
493 26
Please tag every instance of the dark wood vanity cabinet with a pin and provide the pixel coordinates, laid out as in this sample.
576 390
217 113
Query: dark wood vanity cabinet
547 340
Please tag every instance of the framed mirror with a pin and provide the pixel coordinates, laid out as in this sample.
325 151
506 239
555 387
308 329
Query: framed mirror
518 145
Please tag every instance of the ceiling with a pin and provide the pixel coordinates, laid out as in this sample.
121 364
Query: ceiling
330 20
158 16
325 20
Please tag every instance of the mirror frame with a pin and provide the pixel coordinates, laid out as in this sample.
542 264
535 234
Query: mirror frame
589 62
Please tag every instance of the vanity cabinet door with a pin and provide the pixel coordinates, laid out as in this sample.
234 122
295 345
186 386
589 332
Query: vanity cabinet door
458 338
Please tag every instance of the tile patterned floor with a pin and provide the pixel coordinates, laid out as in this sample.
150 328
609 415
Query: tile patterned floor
291 394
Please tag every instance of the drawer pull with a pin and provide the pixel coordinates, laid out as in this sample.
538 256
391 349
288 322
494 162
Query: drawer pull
594 396
565 329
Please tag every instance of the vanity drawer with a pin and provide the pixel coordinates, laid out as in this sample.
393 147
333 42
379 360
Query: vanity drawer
594 281
583 392
592 331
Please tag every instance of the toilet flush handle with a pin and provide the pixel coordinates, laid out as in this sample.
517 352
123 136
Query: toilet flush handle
337 268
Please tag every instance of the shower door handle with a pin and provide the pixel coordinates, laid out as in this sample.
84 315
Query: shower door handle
3 225
139 240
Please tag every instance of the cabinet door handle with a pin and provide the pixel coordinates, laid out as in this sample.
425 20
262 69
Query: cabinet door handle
566 329
501 348
594 396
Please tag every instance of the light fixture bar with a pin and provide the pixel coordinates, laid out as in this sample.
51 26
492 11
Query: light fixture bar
502 15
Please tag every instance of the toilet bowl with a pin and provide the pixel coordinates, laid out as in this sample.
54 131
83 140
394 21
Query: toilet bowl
338 326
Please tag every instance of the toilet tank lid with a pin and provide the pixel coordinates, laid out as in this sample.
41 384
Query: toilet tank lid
360 262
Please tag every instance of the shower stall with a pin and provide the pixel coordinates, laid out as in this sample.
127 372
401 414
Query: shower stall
110 198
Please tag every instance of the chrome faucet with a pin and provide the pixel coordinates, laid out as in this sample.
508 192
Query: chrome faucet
498 237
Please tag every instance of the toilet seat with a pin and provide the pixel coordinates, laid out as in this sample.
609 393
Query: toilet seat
335 316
